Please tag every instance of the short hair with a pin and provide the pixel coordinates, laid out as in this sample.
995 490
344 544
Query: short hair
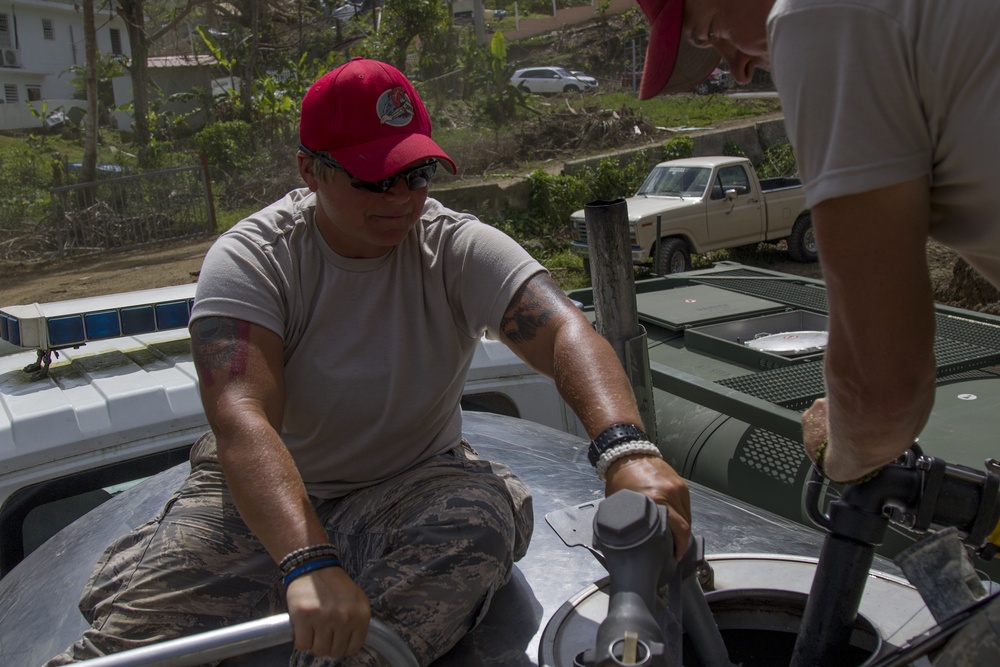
321 170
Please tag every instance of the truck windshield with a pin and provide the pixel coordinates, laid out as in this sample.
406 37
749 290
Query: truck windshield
676 182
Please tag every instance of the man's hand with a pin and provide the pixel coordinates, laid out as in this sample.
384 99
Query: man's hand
839 463
814 427
330 614
652 476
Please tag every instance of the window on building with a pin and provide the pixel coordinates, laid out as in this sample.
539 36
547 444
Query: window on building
5 42
116 42
10 95
48 32
34 93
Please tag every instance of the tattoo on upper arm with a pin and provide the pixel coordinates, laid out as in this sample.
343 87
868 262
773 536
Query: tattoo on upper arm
217 342
532 307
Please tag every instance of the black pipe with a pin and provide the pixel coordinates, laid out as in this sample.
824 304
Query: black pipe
930 491
832 608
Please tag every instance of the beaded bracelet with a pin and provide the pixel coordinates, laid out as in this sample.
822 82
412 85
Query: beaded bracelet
820 455
622 450
306 554
311 566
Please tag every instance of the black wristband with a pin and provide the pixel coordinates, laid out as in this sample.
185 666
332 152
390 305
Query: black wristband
615 434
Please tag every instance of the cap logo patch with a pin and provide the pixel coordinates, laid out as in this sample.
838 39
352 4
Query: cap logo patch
394 107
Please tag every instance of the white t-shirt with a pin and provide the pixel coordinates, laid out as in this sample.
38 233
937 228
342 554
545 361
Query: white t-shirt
878 92
376 350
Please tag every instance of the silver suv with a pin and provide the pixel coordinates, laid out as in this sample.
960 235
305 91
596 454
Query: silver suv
551 80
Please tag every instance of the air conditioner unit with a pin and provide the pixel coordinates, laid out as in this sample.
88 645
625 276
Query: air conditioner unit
11 58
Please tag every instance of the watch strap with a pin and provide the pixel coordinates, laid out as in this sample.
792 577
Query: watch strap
615 434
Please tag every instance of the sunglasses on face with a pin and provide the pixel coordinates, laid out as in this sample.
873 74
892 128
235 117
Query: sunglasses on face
416 178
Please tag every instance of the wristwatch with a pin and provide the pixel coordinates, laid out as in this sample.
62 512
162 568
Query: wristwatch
615 434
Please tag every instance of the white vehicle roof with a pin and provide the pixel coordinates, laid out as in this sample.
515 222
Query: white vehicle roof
112 401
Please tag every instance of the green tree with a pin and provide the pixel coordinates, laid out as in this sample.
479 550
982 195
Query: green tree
89 171
133 12
403 22
499 98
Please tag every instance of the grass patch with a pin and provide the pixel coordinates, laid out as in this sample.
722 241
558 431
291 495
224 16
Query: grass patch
674 110
224 219
567 269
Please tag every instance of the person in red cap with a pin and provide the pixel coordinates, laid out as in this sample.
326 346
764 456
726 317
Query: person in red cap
332 332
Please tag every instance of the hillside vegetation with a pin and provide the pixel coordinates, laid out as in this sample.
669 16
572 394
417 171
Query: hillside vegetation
491 129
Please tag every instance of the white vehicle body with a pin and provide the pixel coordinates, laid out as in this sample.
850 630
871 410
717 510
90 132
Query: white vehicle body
550 80
112 411
700 204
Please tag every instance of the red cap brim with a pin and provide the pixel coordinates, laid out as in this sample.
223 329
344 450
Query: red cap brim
672 64
384 157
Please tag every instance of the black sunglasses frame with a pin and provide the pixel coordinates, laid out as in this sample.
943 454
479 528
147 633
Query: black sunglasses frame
416 178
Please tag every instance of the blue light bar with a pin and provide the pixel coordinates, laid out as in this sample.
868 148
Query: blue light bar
66 331
172 315
101 325
72 323
138 320
10 329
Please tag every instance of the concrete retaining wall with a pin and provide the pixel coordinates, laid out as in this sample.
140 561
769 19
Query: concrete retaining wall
497 198
568 16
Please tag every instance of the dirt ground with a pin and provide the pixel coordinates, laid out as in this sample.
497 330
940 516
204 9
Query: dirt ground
178 263
164 265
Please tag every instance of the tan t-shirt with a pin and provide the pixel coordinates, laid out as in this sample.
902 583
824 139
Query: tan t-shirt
376 350
879 92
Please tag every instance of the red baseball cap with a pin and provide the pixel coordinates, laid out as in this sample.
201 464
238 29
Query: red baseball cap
369 118
672 64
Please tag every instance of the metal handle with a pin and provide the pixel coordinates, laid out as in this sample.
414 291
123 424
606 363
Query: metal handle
244 638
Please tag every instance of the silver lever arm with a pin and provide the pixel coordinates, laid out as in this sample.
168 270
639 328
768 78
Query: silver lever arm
236 640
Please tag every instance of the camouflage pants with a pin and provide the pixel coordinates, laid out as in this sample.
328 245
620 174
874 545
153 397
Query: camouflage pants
429 547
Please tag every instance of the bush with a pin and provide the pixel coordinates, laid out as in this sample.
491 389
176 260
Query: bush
778 161
553 199
25 177
228 145
679 147
613 179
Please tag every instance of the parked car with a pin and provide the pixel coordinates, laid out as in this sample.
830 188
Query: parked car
586 78
717 81
550 80
631 78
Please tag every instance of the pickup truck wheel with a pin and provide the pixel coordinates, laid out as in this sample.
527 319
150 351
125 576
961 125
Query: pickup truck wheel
802 241
674 257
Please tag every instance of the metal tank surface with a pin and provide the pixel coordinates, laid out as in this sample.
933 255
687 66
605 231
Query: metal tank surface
736 354
758 568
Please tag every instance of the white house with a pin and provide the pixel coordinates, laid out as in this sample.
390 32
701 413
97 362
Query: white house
40 40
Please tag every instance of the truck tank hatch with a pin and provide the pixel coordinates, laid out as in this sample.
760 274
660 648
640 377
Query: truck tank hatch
683 307
769 341
758 604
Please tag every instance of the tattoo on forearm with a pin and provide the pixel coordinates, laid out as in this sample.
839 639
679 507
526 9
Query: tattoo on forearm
530 310
217 342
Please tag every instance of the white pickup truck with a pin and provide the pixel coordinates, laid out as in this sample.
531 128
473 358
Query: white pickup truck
708 203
